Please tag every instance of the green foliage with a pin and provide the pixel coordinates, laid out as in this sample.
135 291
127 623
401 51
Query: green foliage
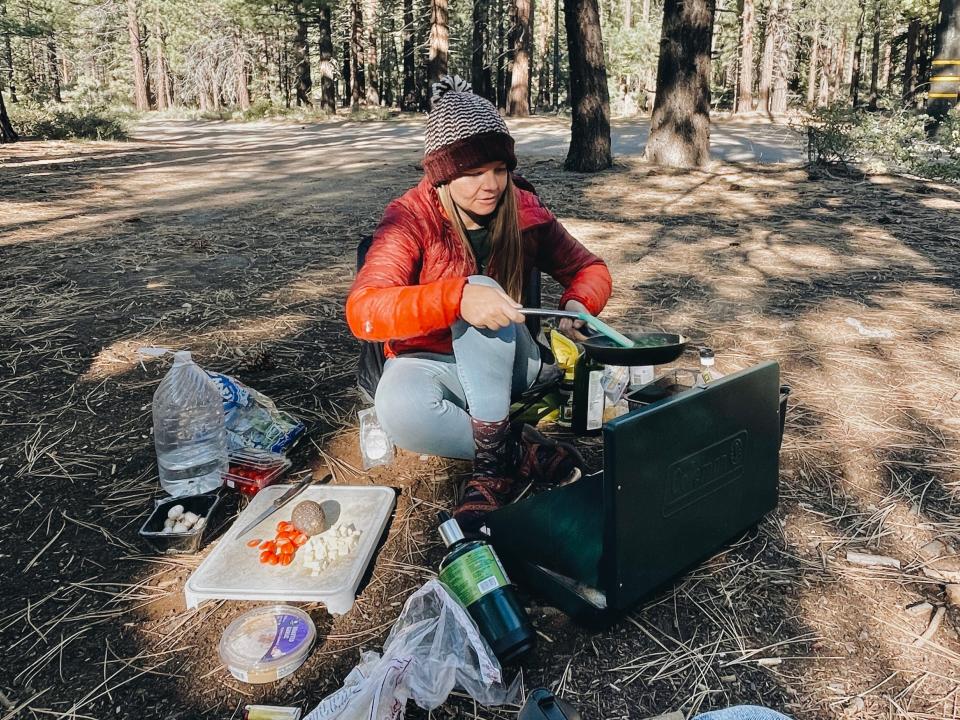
61 122
880 142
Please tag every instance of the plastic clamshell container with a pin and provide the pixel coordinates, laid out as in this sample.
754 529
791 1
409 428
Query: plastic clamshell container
267 643
232 571
205 505
250 470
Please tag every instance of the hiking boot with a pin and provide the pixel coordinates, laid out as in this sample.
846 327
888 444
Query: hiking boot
490 486
543 460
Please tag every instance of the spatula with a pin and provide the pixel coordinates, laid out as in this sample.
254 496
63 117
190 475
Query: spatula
591 321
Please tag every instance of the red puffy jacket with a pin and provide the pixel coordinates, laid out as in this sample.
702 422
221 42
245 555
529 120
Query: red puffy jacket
408 291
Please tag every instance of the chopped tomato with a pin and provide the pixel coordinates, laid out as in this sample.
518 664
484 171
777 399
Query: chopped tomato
286 559
254 542
301 540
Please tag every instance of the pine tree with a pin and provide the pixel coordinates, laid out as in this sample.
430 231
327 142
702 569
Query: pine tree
680 125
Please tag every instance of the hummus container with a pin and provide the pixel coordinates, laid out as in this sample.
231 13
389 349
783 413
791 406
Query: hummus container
267 643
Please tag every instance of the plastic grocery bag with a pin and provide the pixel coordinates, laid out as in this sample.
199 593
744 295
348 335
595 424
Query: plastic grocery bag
252 419
433 647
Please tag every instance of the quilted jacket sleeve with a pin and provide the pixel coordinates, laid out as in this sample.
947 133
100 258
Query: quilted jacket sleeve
386 301
582 274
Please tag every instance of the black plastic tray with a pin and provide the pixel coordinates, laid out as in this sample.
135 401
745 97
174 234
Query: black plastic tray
207 505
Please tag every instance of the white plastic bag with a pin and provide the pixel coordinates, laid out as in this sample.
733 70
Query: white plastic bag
433 647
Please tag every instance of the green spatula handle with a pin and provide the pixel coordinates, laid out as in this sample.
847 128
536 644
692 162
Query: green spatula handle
591 321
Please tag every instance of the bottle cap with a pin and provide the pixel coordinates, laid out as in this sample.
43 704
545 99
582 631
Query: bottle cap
450 530
706 352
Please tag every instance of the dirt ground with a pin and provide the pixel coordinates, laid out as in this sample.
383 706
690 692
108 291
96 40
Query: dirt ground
240 246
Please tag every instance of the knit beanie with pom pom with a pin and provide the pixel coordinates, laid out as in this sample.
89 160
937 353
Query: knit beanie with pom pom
464 131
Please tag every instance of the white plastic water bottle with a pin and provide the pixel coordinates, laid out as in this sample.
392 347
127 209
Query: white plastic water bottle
188 430
708 371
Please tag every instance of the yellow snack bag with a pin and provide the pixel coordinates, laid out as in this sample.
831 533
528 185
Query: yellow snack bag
565 351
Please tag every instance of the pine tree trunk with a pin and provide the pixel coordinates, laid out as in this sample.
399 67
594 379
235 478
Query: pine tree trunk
328 95
518 104
812 64
839 66
875 58
7 133
542 43
372 69
556 54
910 60
501 58
439 40
8 56
140 99
944 84
240 63
408 101
782 60
148 78
680 125
766 61
745 88
589 98
161 74
886 75
858 54
628 13
54 71
479 70
823 93
923 62
359 90
347 90
388 46
301 56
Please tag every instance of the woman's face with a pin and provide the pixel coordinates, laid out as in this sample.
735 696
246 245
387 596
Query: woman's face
478 191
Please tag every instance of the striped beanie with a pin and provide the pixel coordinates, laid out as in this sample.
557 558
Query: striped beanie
464 131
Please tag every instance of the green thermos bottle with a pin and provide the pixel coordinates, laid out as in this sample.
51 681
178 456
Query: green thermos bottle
472 572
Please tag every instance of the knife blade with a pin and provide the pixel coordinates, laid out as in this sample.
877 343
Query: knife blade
282 500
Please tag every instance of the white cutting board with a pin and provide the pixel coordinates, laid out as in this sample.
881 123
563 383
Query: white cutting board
232 571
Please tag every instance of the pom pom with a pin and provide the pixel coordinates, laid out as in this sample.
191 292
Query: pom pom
448 83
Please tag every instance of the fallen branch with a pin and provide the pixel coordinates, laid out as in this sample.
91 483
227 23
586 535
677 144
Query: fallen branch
858 558
931 628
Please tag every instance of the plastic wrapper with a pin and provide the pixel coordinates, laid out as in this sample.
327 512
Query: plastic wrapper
433 647
376 447
252 419
614 382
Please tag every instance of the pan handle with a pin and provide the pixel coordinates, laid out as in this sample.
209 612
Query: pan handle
542 312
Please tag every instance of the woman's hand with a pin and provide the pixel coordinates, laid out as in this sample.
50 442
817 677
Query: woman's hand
571 328
488 307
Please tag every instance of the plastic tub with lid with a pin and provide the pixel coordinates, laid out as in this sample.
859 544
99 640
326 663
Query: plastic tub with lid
267 643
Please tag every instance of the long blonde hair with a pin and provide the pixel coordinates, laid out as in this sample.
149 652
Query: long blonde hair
506 242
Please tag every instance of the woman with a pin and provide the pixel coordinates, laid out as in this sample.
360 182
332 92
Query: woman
441 286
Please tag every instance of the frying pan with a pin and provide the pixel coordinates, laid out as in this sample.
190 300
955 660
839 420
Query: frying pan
653 348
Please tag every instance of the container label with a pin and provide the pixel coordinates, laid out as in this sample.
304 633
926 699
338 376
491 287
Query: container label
291 632
595 400
474 574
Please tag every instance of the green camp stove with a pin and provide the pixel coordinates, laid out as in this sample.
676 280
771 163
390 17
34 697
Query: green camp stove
682 477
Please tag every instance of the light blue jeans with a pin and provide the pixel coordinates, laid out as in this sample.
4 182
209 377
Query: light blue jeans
425 400
742 712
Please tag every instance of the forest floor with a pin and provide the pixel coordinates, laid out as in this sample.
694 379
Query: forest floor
238 242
